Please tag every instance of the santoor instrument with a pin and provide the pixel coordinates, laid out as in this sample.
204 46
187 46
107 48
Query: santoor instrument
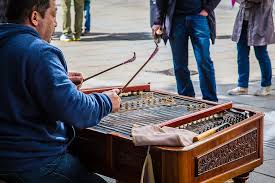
230 139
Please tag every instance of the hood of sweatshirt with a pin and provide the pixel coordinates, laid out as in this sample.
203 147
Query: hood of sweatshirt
8 31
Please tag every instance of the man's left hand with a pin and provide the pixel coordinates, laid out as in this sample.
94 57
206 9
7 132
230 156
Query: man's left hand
204 13
76 78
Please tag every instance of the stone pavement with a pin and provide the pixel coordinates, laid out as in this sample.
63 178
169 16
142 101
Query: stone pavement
121 27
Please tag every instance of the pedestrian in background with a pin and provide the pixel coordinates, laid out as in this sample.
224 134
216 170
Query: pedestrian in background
87 22
3 4
253 27
181 20
68 35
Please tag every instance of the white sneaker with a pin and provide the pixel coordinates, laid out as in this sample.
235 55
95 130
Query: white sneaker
263 91
66 38
238 91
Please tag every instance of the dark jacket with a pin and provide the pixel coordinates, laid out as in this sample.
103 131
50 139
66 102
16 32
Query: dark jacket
164 12
39 104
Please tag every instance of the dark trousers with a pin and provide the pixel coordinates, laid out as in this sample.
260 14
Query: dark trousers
64 169
196 27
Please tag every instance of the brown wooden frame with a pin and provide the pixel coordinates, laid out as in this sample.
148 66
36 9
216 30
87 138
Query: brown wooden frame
114 155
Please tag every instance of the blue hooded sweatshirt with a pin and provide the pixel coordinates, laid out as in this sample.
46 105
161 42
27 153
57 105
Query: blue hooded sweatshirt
38 103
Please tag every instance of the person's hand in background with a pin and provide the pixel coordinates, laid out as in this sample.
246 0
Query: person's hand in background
204 13
156 31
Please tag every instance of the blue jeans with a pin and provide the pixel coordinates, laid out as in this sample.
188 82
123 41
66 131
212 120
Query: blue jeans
64 169
243 61
87 23
196 27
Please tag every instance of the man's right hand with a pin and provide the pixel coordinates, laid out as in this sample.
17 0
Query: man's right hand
155 29
76 78
115 99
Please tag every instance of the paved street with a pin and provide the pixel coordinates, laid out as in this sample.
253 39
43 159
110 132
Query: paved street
121 27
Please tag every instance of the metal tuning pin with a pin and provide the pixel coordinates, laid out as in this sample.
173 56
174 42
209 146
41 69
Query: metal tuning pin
154 101
126 105
122 107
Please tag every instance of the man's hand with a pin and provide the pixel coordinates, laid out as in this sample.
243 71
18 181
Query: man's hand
76 78
204 13
115 99
156 31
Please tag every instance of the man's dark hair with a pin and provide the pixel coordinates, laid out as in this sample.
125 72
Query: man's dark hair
20 10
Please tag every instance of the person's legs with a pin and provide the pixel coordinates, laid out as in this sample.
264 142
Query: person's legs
79 8
243 58
67 31
265 64
87 23
200 37
64 169
179 46
243 64
266 70
66 6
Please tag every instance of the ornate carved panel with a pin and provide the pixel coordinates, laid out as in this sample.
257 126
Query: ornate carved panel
238 148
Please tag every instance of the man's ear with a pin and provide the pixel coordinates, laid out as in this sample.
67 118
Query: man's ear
35 16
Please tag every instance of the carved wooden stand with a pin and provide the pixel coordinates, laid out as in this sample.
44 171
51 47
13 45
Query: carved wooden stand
242 178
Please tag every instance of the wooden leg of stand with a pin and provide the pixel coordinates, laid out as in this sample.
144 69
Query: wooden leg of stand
241 178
